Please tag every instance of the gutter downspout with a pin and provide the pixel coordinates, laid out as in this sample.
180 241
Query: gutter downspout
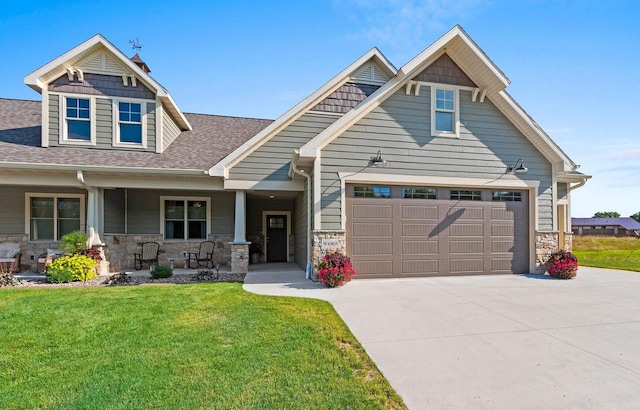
578 185
294 168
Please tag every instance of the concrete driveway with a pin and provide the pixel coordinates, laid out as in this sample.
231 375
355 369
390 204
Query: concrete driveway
492 342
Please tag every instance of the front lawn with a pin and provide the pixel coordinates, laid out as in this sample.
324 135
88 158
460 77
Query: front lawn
208 345
607 252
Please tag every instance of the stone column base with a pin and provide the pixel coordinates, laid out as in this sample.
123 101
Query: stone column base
239 257
546 244
325 241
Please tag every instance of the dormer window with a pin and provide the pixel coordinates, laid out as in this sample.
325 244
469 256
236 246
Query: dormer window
129 124
444 111
77 119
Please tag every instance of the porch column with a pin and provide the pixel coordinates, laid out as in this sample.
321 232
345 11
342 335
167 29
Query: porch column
241 217
240 246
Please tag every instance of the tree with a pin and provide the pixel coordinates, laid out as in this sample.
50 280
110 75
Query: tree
607 214
636 216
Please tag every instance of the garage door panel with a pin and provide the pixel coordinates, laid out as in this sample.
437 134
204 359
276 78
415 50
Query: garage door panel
467 213
502 229
419 236
422 266
466 247
372 248
372 211
467 229
421 230
420 247
420 212
372 229
466 265
373 268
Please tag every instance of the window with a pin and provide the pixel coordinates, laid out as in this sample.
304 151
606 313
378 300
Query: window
372 192
444 111
419 193
464 195
52 216
78 119
506 196
130 122
185 218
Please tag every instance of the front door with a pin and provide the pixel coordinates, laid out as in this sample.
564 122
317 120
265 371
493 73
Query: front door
276 238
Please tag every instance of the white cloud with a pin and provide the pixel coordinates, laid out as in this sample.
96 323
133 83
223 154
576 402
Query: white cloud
403 23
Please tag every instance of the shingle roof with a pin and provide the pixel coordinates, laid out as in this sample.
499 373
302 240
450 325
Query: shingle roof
213 137
627 223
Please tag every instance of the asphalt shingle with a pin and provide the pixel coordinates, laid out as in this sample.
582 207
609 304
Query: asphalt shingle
213 137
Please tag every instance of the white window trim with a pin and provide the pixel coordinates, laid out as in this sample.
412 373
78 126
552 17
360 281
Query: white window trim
27 212
116 123
64 132
204 199
456 114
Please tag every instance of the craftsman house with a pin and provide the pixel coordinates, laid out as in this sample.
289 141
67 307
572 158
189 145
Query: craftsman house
429 169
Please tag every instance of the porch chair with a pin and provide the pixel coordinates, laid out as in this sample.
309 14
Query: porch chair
44 259
204 254
148 254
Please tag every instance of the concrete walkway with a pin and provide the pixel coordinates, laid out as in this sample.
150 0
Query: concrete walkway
492 342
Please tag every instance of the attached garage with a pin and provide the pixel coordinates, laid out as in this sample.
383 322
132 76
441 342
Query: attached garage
401 231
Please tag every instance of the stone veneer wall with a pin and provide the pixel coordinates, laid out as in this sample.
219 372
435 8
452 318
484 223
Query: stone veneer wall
546 244
568 241
119 249
318 251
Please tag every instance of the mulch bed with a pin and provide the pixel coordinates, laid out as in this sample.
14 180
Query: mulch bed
123 279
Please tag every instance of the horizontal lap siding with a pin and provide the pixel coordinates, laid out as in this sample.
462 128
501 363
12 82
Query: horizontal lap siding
300 229
12 205
400 128
151 126
104 123
114 204
271 160
144 210
54 119
170 130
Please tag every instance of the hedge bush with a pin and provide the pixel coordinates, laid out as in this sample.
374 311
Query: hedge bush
68 268
161 272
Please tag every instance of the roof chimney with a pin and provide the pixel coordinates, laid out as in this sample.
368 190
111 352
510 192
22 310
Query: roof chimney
136 59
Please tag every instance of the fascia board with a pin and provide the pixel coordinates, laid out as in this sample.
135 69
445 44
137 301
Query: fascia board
221 169
119 170
417 62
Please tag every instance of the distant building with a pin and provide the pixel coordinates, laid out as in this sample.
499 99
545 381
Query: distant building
605 226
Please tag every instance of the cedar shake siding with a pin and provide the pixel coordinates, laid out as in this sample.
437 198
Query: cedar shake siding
271 160
104 85
400 127
345 98
445 71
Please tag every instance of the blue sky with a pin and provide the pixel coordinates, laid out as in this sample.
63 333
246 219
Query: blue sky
573 64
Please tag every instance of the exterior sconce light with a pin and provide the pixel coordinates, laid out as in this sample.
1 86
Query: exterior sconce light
377 161
517 168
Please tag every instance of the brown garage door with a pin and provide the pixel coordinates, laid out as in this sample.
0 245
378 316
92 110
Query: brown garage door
395 231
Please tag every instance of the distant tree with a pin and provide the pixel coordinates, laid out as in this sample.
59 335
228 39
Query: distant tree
606 214
636 216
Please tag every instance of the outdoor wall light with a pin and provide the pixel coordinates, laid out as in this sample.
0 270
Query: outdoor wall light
377 161
517 168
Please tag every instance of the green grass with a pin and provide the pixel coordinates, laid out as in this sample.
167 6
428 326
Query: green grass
608 252
180 347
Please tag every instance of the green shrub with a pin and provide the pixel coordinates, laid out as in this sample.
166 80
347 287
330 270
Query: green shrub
73 242
68 268
161 272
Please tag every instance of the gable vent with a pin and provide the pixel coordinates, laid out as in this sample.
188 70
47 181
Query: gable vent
102 63
371 74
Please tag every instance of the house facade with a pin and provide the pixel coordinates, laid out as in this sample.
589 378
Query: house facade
429 169
605 227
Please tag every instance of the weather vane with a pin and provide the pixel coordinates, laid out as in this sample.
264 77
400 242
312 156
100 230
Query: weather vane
135 44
